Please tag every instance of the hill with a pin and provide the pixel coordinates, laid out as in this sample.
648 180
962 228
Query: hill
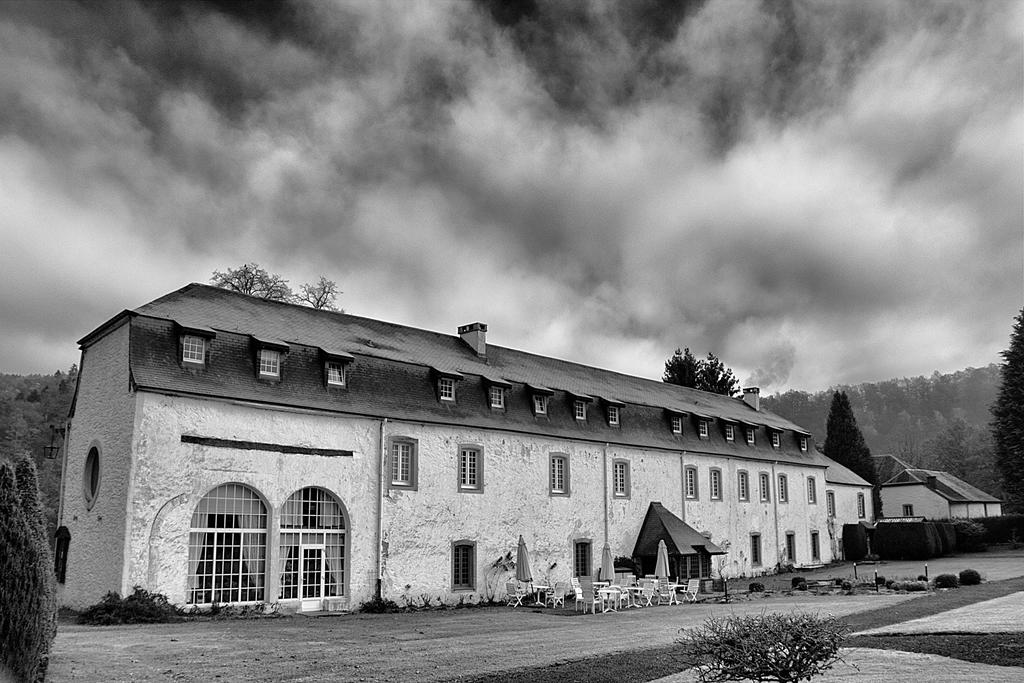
938 422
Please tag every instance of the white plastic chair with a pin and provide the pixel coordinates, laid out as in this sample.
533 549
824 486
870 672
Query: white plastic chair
691 590
514 594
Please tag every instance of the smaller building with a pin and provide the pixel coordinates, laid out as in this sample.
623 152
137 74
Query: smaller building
932 494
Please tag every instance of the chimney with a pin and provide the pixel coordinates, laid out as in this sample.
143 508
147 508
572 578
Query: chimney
475 334
752 397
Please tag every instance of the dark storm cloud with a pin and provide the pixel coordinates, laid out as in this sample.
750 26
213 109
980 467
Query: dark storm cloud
791 185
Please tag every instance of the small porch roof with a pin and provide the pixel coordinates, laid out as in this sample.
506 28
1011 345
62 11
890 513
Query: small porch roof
679 537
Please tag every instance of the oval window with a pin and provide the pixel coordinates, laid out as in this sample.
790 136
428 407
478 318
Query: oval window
91 481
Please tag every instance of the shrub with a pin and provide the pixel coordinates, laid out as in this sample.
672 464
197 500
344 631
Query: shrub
922 577
906 540
879 580
798 583
846 586
970 536
28 605
379 605
756 587
141 607
946 581
909 586
764 647
970 577
1005 529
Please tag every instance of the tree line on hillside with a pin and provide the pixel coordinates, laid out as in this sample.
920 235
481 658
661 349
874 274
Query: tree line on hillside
940 422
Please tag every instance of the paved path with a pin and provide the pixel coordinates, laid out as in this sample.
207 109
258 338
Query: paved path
1001 615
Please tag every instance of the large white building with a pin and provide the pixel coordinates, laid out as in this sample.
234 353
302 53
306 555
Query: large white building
226 449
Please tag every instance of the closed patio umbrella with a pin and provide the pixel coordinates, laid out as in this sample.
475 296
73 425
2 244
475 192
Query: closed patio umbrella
523 563
661 568
607 567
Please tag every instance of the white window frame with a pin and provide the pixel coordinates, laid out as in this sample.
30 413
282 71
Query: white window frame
702 429
404 465
579 408
335 373
558 474
613 416
830 503
862 512
496 397
908 509
776 440
677 424
269 363
815 546
446 388
715 483
783 493
730 432
540 404
620 478
812 491
803 444
691 483
743 485
755 550
464 567
750 436
764 487
193 349
471 469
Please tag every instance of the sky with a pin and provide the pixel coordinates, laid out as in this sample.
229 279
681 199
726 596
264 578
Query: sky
819 193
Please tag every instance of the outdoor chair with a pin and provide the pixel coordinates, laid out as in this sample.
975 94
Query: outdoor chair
691 590
587 595
557 596
666 593
648 591
514 593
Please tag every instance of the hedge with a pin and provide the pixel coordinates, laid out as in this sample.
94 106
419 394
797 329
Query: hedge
947 537
855 542
906 540
1005 529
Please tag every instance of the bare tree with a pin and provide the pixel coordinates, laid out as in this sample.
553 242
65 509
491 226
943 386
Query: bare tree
320 296
253 280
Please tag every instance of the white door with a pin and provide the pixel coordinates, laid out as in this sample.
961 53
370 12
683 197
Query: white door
311 577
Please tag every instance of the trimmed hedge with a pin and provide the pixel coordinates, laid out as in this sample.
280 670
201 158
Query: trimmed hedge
907 540
947 537
947 581
970 535
1005 529
855 542
28 603
970 577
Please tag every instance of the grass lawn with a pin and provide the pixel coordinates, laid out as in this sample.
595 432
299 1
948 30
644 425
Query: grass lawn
1005 649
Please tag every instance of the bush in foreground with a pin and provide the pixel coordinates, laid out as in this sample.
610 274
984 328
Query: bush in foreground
141 607
970 577
379 605
947 581
764 647
756 587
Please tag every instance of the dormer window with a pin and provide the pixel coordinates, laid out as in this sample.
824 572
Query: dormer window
334 363
335 373
539 397
702 429
193 349
613 416
730 432
677 424
750 436
446 388
776 440
803 444
580 410
269 357
496 397
270 363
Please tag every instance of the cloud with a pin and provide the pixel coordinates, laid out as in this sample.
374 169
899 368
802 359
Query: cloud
816 192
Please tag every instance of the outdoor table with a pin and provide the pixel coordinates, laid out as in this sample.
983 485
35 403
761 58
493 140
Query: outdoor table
537 590
609 596
633 596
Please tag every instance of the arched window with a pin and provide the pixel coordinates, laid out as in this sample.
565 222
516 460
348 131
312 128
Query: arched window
312 547
91 477
227 547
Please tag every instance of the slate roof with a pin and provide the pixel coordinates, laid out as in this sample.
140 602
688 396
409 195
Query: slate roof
946 485
680 538
394 369
840 474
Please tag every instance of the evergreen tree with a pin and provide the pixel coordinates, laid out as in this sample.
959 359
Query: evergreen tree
682 369
845 444
707 375
45 598
1008 420
717 378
